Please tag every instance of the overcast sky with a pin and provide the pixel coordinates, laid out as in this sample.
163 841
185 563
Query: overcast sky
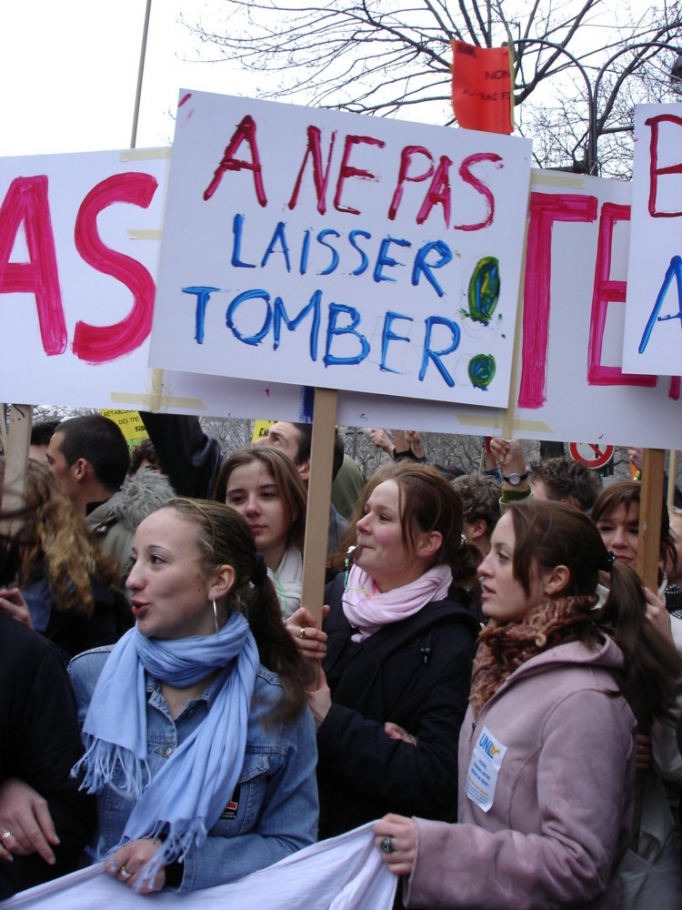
68 73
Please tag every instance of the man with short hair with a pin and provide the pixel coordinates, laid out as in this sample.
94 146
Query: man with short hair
558 479
295 440
565 480
41 434
89 456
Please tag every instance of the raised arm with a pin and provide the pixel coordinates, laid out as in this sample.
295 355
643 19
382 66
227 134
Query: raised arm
189 457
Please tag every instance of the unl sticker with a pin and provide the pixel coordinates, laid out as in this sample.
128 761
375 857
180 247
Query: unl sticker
231 809
484 767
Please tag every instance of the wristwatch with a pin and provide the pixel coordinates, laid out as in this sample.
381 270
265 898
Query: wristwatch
515 479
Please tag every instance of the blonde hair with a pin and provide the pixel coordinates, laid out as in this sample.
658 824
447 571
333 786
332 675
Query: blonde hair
54 540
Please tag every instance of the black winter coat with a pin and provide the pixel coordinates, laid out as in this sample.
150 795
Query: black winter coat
40 744
415 673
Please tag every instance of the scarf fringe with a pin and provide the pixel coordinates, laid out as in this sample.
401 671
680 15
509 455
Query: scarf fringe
187 794
105 764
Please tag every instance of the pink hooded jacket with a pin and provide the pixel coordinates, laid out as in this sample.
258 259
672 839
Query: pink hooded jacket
561 807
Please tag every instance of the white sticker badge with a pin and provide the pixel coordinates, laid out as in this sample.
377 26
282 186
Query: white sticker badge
484 767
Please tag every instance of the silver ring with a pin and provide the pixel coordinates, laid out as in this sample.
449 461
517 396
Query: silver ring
6 835
301 634
387 844
124 872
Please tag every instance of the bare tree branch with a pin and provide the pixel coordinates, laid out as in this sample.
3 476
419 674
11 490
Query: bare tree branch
382 57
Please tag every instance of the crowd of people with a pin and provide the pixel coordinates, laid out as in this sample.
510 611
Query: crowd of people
490 682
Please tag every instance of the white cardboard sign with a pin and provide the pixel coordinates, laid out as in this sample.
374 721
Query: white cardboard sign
653 324
329 249
567 386
80 236
79 245
568 376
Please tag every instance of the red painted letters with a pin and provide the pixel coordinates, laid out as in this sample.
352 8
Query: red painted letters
320 176
545 209
100 344
607 291
27 201
246 131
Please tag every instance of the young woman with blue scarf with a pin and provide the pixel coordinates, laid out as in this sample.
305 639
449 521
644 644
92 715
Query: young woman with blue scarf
203 760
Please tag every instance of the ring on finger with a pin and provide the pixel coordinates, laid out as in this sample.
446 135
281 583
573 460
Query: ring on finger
124 873
5 835
387 844
301 634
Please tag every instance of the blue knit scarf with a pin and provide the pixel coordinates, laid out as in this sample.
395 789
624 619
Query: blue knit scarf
187 797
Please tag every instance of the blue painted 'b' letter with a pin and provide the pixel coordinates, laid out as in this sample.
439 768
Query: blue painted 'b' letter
335 310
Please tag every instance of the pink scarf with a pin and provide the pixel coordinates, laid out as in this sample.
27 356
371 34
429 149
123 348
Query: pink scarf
368 609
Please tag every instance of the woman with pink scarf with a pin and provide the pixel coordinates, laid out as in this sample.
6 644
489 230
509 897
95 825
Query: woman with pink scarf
394 657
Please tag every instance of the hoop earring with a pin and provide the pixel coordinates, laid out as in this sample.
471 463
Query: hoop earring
215 617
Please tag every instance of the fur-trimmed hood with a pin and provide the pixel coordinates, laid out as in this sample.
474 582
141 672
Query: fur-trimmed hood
115 521
140 495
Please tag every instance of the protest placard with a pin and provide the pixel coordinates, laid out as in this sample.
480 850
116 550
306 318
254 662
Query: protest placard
79 243
333 250
653 324
576 268
79 251
568 377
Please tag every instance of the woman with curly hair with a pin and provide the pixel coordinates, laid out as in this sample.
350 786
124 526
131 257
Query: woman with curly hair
57 580
547 750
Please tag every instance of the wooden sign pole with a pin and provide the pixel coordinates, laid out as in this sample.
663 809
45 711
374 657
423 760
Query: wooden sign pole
319 497
672 472
3 426
16 456
650 511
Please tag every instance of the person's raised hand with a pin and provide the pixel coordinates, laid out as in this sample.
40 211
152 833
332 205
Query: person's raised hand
382 440
635 456
643 755
509 455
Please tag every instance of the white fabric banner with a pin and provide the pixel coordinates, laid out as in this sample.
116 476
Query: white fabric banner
343 873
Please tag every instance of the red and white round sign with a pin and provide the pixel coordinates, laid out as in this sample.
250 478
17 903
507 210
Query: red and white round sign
590 454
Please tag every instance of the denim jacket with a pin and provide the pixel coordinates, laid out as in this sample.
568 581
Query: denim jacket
274 809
